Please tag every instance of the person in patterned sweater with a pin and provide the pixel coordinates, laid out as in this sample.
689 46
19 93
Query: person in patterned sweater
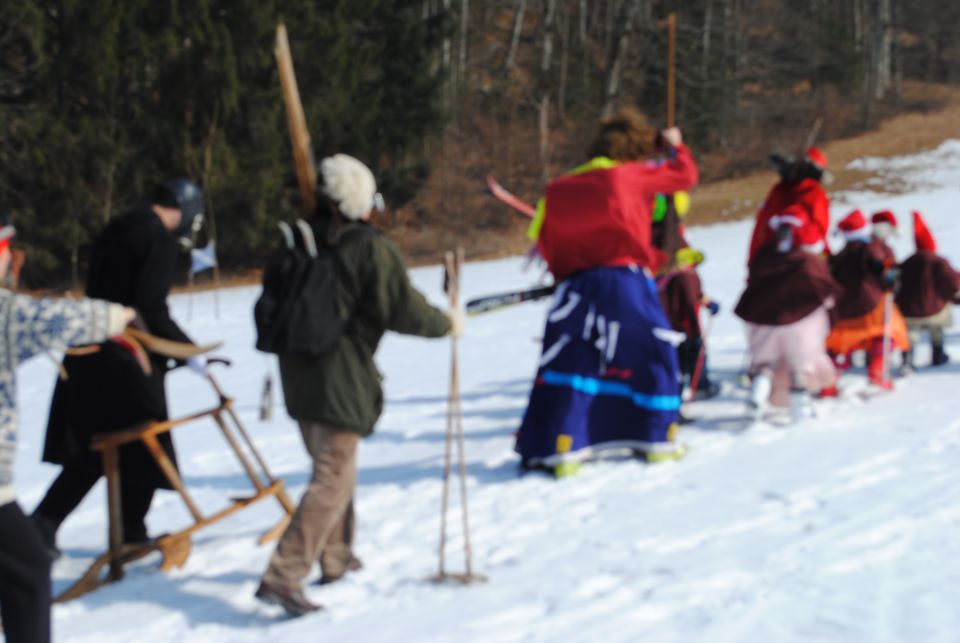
29 326
928 284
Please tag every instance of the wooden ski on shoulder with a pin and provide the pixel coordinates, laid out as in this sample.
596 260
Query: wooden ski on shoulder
303 160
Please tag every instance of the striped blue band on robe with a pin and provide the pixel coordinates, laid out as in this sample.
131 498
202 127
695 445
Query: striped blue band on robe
594 386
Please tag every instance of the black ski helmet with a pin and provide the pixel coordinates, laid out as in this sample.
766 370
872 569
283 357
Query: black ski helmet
184 195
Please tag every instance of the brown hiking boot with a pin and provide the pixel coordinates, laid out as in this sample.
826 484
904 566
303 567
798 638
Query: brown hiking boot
292 600
353 565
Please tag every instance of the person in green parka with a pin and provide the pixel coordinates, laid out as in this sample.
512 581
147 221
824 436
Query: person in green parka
336 399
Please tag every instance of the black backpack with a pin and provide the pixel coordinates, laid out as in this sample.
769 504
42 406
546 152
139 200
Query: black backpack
297 311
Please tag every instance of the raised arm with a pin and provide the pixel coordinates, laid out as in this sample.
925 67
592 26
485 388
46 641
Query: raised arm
399 306
44 324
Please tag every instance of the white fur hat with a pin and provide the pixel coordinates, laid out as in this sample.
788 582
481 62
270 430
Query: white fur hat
350 184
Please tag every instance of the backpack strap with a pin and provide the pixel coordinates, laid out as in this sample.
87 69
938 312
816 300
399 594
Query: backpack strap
309 242
287 232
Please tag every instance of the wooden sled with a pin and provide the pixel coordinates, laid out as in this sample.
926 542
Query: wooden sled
174 547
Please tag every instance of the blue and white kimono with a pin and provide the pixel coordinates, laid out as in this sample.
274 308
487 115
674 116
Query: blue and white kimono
608 376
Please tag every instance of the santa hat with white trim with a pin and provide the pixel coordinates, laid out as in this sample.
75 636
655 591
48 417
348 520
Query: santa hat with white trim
854 226
884 224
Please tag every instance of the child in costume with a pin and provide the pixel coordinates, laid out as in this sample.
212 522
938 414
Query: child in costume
928 285
786 305
800 187
681 294
866 312
883 225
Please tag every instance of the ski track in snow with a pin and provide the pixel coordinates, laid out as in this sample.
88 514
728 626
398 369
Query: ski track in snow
843 527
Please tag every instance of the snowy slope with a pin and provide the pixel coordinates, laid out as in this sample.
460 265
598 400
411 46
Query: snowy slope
845 527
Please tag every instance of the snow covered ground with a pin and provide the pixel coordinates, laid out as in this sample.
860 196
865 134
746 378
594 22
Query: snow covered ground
845 527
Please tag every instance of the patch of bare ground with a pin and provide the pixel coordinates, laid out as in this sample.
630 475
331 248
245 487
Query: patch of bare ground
937 119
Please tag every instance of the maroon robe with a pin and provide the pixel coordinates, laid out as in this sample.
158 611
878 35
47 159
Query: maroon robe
927 284
783 288
860 268
680 296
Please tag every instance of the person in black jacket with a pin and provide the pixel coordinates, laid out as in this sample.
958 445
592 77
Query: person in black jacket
132 263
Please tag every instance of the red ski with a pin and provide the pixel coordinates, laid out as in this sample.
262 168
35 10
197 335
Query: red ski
509 198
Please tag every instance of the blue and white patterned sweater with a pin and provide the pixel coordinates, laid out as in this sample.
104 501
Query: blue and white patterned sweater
29 326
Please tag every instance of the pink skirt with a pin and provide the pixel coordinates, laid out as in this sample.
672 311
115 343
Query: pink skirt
795 354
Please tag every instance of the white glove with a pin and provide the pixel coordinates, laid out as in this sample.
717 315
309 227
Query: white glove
119 318
672 136
198 364
458 320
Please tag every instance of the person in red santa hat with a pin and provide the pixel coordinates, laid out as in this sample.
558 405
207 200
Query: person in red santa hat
883 225
928 285
786 305
863 268
800 185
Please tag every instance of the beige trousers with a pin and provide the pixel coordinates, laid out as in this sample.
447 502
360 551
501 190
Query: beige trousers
322 527
935 325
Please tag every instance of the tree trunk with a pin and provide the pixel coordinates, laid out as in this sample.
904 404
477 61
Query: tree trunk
445 62
544 127
464 30
515 35
546 63
564 57
883 44
705 41
617 53
546 60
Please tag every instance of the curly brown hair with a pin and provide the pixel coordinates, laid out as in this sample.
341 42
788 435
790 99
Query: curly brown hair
624 136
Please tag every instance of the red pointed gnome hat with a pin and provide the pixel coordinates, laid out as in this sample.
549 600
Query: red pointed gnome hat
922 234
818 158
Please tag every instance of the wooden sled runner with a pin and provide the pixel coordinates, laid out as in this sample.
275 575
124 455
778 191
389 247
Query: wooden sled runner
175 547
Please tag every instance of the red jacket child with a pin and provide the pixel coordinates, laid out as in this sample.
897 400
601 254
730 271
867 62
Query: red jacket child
799 186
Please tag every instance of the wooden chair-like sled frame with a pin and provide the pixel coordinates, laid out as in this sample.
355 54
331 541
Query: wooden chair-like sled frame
174 547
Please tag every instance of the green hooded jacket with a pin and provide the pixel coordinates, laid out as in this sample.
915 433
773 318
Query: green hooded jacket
374 294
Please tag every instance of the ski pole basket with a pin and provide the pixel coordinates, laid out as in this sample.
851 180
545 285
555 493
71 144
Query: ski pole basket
175 547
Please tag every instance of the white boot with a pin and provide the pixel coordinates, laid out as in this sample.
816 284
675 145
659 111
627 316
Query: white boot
801 406
760 393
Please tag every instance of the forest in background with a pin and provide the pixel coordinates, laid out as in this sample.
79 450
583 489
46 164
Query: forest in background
101 98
